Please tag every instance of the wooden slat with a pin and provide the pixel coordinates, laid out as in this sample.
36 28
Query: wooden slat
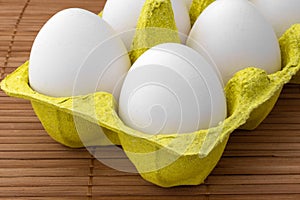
20 113
263 146
205 197
48 191
269 133
44 172
274 153
11 106
44 163
45 139
200 190
254 180
22 133
21 126
38 181
25 154
258 165
58 197
17 119
257 197
291 138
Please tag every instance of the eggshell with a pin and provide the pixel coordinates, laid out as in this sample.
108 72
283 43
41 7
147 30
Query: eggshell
172 89
63 60
236 36
116 13
281 14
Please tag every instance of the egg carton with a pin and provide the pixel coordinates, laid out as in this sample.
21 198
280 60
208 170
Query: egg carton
164 159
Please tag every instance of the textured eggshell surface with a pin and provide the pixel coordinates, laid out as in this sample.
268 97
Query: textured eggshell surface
172 159
236 36
63 61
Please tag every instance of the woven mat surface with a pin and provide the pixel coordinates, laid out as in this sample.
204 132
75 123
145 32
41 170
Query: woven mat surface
260 164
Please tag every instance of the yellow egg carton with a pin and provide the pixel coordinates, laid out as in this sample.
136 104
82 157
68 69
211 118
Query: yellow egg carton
172 159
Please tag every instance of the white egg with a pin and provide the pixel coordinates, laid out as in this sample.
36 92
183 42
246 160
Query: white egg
123 16
172 89
63 61
236 36
280 13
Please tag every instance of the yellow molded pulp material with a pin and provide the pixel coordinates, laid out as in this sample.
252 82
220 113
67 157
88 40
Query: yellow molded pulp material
165 160
197 7
156 19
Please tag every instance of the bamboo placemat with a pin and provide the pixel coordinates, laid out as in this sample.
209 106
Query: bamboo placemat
260 164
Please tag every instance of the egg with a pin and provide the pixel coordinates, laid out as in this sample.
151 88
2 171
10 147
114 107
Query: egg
281 14
236 36
76 53
172 89
123 16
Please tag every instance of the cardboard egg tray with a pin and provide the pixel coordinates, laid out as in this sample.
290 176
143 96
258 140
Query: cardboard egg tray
172 159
